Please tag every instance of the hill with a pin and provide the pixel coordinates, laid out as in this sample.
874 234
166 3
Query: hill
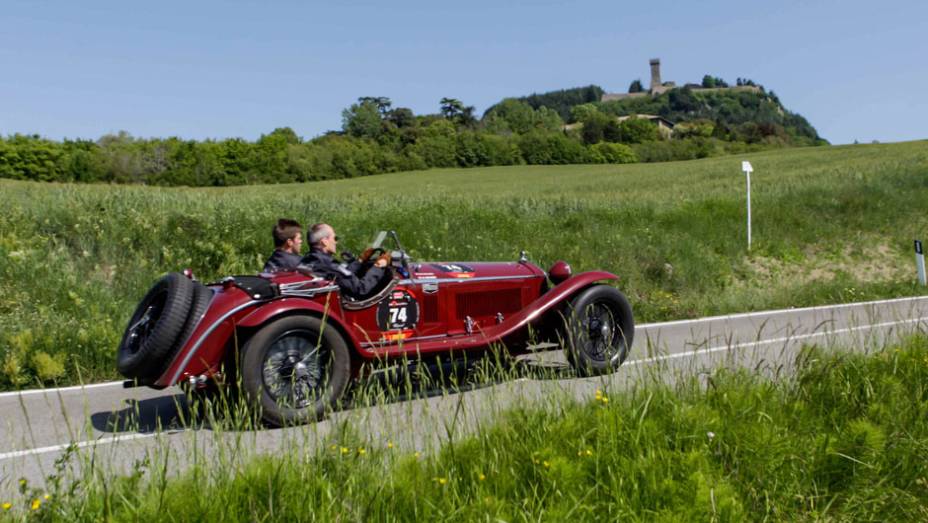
830 225
748 113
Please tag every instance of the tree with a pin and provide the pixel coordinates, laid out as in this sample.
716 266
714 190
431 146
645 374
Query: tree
518 116
287 134
580 113
382 102
637 130
401 117
636 86
593 126
709 81
467 118
362 120
451 108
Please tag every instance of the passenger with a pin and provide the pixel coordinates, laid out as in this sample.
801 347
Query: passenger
323 243
288 240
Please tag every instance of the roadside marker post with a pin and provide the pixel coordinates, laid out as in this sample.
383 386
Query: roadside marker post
920 262
746 167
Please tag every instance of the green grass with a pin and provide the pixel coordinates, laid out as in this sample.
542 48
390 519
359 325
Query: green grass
842 439
831 224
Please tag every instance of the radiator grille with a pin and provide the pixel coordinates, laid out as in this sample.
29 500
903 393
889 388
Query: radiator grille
430 308
488 303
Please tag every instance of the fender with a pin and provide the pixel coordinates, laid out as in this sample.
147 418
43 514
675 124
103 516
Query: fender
559 293
511 328
283 306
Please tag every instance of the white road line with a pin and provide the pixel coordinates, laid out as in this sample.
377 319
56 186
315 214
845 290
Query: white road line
29 392
79 444
779 311
643 361
783 339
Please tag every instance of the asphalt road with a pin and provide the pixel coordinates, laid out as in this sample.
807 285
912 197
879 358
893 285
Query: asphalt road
113 428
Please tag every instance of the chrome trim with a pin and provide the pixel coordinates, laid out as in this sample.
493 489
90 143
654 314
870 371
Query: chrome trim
299 284
351 304
405 340
297 289
414 281
217 323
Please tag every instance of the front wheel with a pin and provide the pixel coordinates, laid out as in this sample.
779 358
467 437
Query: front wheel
295 369
598 331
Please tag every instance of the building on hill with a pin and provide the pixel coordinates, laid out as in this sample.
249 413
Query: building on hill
657 86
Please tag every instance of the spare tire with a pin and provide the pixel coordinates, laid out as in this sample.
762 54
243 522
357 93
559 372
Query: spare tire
155 327
202 295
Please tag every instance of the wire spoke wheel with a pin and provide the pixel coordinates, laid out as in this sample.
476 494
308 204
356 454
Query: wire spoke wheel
139 332
599 339
599 330
294 369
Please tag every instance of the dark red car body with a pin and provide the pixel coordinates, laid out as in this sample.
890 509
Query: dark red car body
458 307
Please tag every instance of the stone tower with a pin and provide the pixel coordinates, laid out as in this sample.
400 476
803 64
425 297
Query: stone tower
656 75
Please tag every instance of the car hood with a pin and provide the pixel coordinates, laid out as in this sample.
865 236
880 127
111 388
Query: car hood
464 270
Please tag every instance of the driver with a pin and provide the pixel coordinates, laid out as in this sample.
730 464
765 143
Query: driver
323 242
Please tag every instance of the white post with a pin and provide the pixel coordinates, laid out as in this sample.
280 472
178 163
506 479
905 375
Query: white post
920 262
746 167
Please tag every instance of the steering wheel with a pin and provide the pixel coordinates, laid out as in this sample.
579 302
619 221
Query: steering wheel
376 253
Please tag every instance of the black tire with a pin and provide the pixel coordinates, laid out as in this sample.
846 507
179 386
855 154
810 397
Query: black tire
202 295
599 330
154 328
295 369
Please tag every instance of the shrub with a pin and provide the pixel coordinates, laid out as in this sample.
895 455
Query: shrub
46 367
615 153
552 149
637 130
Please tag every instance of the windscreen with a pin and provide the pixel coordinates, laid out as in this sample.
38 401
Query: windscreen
378 239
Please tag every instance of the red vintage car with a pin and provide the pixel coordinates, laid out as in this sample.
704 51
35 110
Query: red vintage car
294 342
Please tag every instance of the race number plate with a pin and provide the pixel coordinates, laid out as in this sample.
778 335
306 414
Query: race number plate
399 311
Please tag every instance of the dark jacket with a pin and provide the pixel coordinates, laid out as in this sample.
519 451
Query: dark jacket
282 261
345 275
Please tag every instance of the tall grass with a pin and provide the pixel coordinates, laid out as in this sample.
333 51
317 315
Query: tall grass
830 225
843 438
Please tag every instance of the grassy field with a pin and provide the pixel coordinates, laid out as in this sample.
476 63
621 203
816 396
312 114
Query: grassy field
831 224
841 439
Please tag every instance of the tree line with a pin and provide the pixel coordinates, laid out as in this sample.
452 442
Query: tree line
378 137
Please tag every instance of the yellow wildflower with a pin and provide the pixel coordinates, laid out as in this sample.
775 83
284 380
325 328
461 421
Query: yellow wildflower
417 454
589 452
7 506
36 503
389 444
345 450
47 497
442 481
599 394
361 451
482 477
334 447
605 400
546 464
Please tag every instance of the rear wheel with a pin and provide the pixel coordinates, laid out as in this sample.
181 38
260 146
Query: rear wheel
598 331
295 369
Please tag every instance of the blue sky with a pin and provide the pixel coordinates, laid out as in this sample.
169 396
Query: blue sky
856 70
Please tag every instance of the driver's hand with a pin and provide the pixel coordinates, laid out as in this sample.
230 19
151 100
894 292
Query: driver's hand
366 254
383 260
